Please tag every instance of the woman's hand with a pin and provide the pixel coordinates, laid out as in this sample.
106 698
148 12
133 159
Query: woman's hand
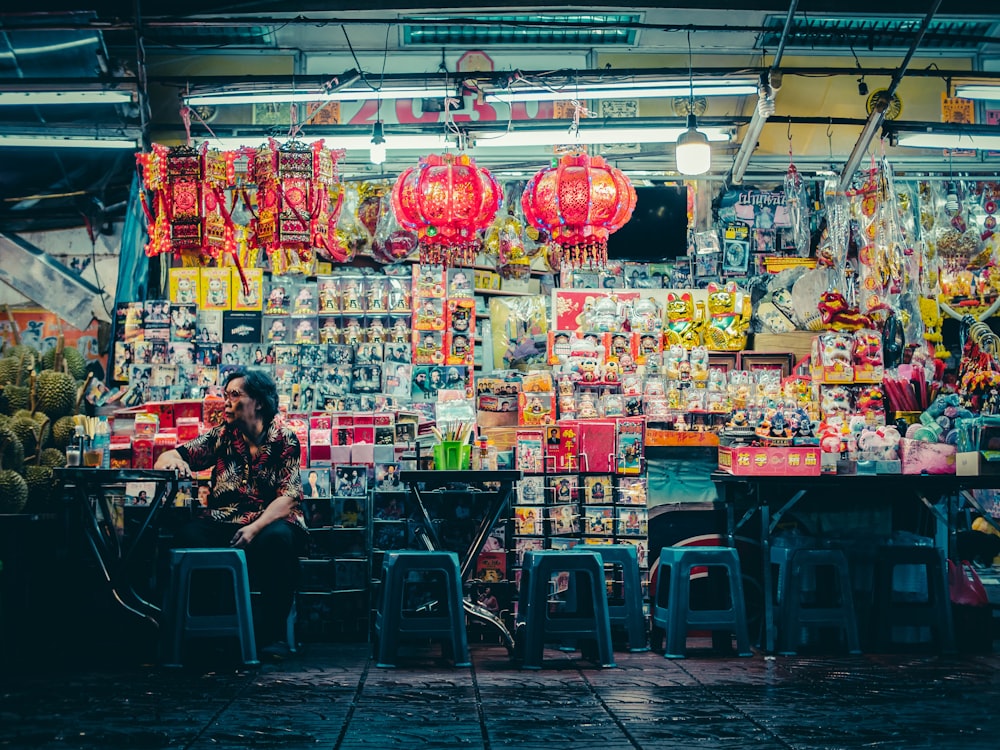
244 535
172 461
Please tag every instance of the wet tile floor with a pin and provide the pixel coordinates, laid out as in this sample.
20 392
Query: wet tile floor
332 696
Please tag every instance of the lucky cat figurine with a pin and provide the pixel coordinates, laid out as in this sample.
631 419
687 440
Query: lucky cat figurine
729 312
683 321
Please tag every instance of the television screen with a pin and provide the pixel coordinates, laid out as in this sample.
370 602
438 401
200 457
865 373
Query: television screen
658 228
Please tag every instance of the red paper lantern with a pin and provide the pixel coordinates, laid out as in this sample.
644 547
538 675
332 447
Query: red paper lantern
447 200
579 202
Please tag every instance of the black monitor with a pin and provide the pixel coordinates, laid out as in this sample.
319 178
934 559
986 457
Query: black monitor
658 229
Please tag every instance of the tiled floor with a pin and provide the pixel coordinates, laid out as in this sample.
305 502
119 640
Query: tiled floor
333 696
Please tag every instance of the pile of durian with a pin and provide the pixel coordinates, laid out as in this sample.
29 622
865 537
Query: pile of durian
40 396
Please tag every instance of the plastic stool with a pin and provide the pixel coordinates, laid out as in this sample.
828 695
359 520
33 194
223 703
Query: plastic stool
179 622
433 610
794 613
932 610
629 613
672 610
582 574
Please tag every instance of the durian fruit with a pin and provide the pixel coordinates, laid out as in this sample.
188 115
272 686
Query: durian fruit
56 394
41 485
13 488
15 398
55 358
8 370
11 450
63 431
26 429
53 457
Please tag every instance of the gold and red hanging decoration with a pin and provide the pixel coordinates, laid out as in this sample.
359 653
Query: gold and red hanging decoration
298 198
447 200
579 202
175 177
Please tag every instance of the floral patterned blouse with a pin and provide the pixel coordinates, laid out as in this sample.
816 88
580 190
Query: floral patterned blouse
243 486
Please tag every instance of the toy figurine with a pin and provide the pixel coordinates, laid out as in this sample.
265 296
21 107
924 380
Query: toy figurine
683 323
729 312
837 314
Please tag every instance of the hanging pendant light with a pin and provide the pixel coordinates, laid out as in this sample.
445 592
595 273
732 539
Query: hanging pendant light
376 152
693 154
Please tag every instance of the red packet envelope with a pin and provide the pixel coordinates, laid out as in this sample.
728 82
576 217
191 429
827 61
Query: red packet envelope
597 446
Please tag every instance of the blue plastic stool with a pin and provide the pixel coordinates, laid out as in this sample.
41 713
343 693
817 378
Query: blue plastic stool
672 610
582 572
794 614
180 624
421 598
931 609
629 614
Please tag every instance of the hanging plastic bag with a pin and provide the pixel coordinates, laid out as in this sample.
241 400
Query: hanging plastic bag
965 586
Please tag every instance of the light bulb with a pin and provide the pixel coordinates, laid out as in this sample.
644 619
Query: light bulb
376 152
765 106
693 153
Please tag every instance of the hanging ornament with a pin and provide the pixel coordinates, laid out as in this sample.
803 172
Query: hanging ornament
298 199
580 201
391 243
447 200
174 176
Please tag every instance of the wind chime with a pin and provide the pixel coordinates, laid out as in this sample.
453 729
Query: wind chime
447 200
580 202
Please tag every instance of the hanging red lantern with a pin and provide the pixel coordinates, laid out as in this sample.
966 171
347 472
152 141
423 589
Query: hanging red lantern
297 200
174 177
447 200
580 201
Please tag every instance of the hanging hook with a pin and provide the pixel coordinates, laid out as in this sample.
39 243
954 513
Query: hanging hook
829 136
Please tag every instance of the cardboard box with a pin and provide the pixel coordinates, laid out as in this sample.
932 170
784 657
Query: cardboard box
803 461
797 342
977 463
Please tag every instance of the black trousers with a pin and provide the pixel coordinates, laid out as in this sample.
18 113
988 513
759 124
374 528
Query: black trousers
272 565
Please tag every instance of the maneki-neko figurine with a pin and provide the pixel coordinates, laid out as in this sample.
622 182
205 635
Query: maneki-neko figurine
729 312
683 321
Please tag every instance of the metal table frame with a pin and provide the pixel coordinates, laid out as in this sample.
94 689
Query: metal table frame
426 481
775 496
86 491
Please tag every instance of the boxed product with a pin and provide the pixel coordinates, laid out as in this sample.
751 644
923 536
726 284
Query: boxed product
630 445
597 445
757 461
919 457
561 447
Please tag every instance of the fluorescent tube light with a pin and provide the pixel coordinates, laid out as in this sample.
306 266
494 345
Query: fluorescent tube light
278 96
978 91
40 98
627 90
393 142
66 141
588 136
980 141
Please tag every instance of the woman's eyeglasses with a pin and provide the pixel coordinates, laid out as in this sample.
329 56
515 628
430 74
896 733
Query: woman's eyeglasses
234 395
